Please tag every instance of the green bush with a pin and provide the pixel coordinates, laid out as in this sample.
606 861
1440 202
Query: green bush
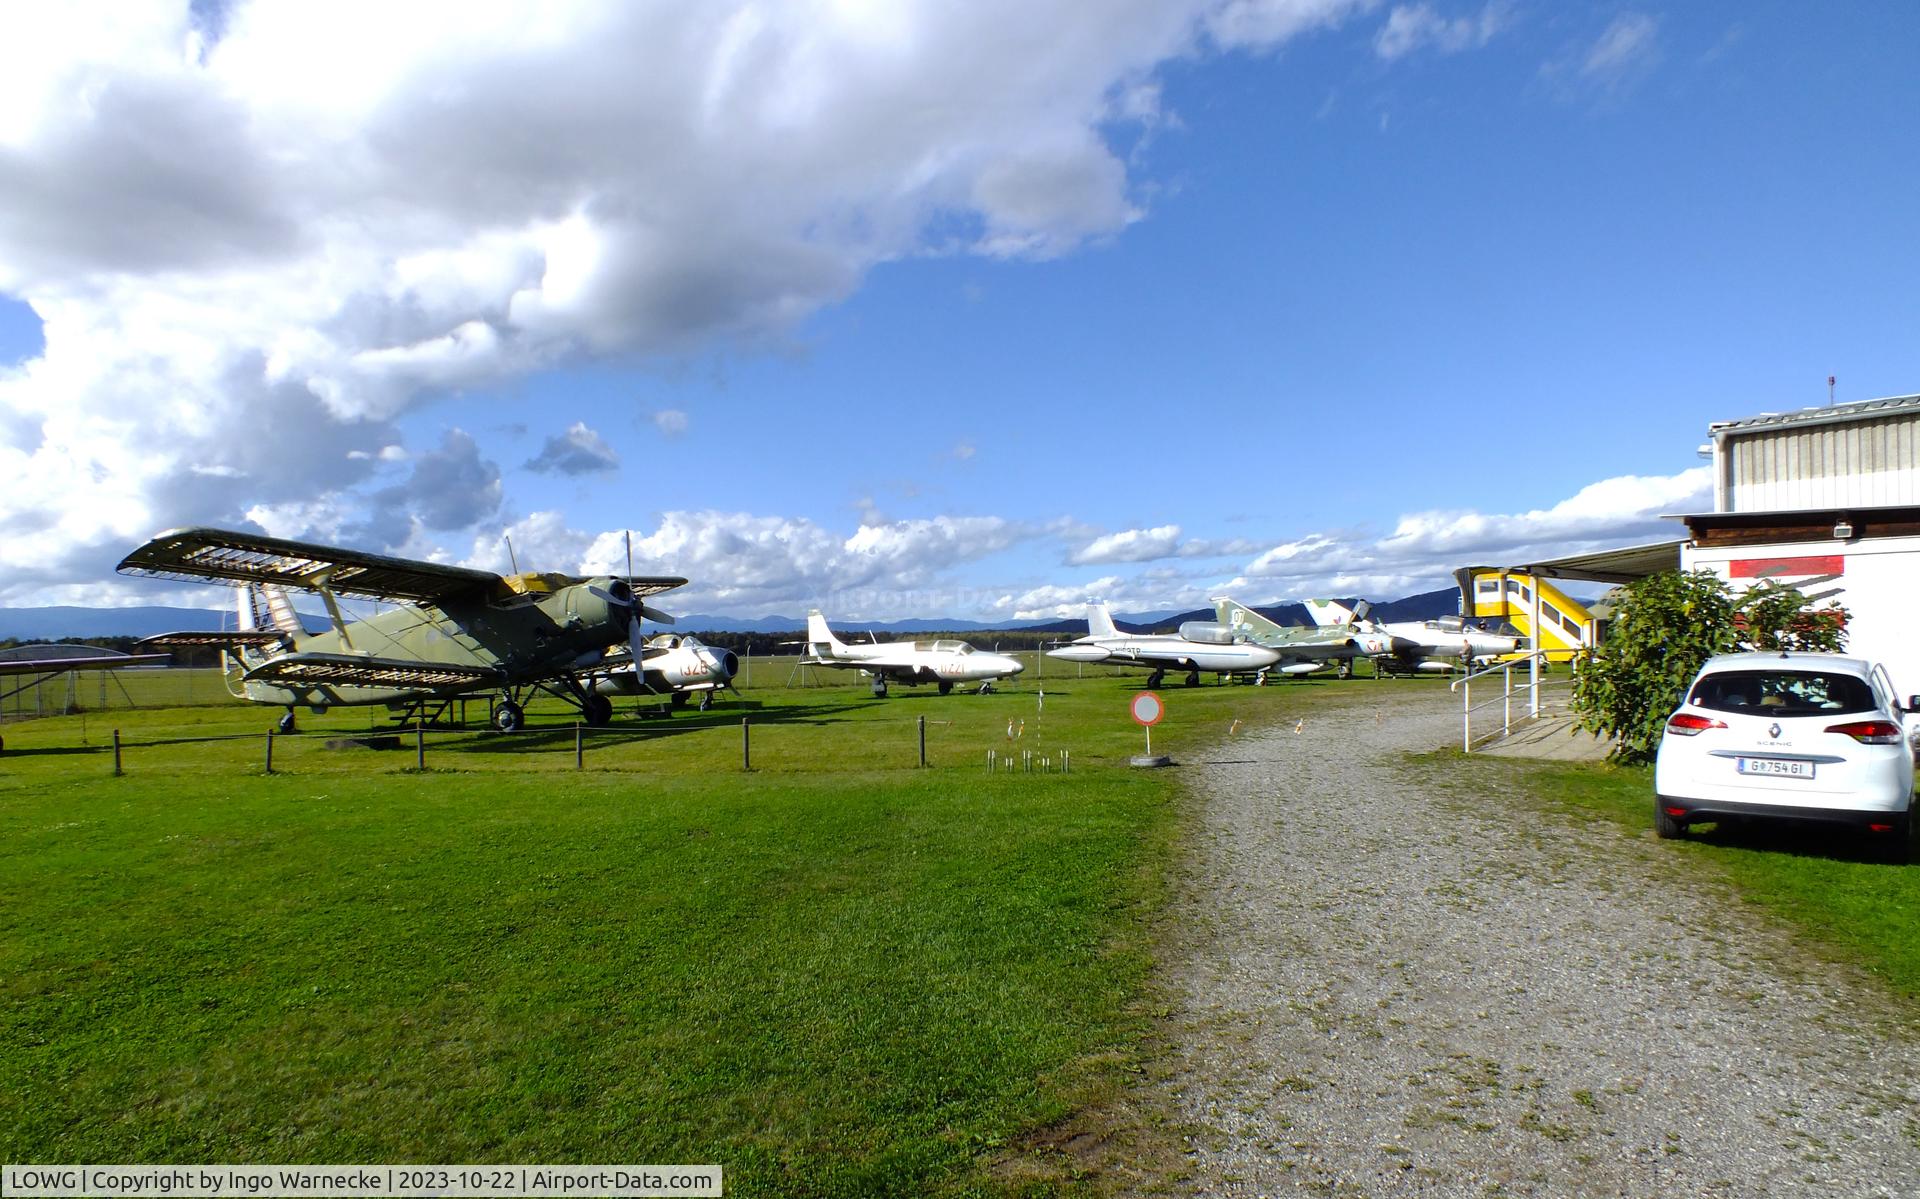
1665 627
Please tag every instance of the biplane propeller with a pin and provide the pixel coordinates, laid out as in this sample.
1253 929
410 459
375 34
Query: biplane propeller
454 631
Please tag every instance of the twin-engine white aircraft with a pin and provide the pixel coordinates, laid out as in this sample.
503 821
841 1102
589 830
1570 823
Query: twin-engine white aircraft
1201 645
455 631
676 664
941 662
1418 645
1302 650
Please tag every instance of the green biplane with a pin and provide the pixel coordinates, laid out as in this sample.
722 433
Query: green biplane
454 632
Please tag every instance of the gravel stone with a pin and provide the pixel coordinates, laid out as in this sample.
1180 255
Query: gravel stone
1381 989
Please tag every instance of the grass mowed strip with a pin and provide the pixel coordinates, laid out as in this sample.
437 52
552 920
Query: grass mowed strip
835 974
1831 883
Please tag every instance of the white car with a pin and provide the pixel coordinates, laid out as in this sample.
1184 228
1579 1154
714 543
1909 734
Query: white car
1808 736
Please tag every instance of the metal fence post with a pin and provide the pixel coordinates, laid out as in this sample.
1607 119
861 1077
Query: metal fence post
419 747
269 751
923 741
116 753
746 744
579 748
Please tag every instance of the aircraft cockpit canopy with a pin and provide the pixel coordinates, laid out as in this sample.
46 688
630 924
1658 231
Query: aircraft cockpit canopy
942 647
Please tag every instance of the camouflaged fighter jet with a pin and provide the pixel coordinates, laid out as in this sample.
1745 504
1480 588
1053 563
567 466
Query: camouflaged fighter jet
1302 650
455 631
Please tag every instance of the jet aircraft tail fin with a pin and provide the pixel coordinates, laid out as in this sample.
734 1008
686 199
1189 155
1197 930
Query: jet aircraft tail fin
1327 613
821 642
1100 621
1242 619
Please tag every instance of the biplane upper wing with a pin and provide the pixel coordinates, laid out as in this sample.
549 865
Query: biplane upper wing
56 665
350 670
239 558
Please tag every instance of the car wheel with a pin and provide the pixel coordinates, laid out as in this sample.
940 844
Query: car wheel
1666 827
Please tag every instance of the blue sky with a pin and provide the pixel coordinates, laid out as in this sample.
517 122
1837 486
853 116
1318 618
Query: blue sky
931 314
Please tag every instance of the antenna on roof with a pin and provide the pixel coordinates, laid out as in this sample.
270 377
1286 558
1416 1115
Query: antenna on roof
1829 391
511 560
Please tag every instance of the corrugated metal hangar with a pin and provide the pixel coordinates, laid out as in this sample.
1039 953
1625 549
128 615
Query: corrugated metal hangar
1864 454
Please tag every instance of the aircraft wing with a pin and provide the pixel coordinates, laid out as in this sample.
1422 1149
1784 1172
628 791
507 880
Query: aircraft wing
352 670
195 639
82 662
239 558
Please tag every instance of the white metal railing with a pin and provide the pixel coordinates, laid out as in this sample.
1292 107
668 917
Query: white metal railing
1530 693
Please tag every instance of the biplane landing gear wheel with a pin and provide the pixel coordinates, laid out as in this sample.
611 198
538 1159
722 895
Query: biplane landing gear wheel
1153 680
286 722
679 699
597 710
507 716
706 700
946 686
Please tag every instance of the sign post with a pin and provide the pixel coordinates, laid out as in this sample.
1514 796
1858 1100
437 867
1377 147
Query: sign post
1147 709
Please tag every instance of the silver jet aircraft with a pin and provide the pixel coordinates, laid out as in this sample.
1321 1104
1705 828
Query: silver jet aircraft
1201 645
941 662
675 664
1419 645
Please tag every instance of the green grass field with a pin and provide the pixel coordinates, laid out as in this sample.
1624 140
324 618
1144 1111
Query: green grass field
835 974
838 974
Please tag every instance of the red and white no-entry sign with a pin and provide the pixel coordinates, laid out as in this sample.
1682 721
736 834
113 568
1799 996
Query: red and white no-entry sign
1147 709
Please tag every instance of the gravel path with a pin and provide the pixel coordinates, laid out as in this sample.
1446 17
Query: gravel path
1383 992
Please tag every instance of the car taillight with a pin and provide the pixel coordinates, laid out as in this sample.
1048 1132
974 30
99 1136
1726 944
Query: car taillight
1869 732
1686 724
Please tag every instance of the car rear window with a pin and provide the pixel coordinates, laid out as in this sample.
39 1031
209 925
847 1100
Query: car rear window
1782 693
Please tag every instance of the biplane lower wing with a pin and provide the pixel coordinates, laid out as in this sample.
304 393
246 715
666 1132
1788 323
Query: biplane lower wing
348 670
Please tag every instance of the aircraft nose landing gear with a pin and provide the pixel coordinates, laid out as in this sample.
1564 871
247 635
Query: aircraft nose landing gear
507 716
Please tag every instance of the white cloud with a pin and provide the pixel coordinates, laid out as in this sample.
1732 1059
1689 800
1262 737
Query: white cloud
1628 41
1263 24
746 564
1623 54
1411 27
578 451
1151 545
670 421
1425 547
255 248
1133 545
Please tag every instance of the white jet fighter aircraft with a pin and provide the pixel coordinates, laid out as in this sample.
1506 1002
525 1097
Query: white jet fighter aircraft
1417 645
1200 645
675 664
911 662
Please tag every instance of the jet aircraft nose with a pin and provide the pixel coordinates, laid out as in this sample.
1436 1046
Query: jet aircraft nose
1018 666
